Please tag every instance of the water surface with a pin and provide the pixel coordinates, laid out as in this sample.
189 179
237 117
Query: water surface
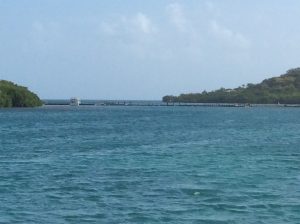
150 165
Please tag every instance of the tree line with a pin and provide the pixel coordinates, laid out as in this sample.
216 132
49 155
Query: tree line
12 95
284 89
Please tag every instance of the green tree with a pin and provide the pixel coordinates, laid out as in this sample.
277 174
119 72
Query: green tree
12 95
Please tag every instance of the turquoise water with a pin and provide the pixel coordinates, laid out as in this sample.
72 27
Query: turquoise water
150 165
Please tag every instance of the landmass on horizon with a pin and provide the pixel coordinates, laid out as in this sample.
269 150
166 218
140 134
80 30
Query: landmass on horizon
284 89
13 95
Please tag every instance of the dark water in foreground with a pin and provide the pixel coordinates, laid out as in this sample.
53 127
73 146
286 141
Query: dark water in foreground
150 165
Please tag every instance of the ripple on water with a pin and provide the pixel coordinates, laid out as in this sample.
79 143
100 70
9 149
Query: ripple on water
150 165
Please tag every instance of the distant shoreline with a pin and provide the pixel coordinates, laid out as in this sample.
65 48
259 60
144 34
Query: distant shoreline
160 103
284 89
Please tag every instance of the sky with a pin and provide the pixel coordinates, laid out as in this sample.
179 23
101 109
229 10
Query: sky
137 49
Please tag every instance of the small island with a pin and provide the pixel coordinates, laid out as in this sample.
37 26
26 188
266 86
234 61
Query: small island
284 89
13 95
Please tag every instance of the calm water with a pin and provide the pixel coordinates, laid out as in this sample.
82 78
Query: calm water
150 165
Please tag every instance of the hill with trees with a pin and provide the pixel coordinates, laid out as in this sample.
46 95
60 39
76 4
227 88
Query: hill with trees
284 89
12 95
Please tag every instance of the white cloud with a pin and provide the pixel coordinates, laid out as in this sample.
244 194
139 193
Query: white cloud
190 36
176 15
108 28
143 23
134 34
209 5
228 35
132 25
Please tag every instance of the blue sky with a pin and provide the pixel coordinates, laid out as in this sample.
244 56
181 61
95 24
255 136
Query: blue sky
134 49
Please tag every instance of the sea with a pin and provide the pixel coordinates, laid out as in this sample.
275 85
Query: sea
146 164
